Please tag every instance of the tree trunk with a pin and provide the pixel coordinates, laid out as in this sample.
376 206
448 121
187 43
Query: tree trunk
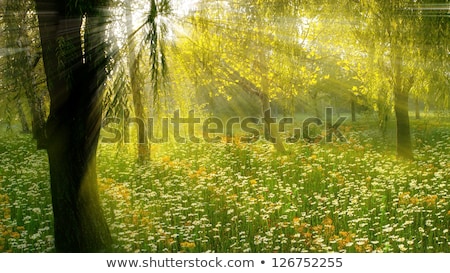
38 119
383 116
36 104
74 82
143 148
252 89
417 106
401 100
315 101
23 118
270 132
404 148
353 110
18 35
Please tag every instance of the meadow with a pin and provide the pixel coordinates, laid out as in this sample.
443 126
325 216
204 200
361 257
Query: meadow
235 197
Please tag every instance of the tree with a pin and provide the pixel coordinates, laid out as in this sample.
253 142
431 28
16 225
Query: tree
135 78
154 42
73 51
256 47
391 34
22 64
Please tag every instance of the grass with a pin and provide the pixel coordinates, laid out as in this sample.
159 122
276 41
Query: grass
343 197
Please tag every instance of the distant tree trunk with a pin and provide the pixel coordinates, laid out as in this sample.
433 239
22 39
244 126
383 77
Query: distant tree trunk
383 116
75 82
143 147
417 106
23 118
404 148
315 101
37 109
18 34
252 89
401 100
36 104
353 110
269 131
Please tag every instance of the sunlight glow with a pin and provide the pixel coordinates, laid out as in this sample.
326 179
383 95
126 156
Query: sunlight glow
183 7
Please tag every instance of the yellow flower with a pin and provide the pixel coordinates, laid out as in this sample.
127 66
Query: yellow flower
233 197
327 221
20 228
253 181
430 200
166 159
414 200
188 245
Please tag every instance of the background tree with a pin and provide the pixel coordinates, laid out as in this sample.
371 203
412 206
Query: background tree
22 67
140 66
390 60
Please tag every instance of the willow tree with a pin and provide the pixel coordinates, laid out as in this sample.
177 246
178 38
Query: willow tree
433 41
73 50
21 66
257 47
136 83
391 35
151 51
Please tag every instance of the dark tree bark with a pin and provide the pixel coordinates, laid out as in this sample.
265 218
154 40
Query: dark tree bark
35 100
353 103
417 106
404 147
23 118
401 107
75 80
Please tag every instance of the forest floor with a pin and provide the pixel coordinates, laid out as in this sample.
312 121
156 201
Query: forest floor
342 197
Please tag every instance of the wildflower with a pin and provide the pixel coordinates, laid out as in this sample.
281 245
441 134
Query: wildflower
414 200
20 228
327 221
430 200
36 210
402 247
166 159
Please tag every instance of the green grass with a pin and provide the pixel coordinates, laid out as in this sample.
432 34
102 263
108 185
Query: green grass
352 197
